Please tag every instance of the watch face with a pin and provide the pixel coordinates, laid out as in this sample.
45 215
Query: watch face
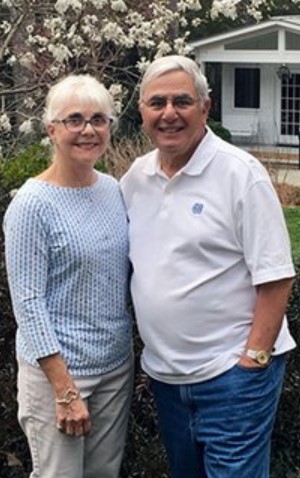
262 357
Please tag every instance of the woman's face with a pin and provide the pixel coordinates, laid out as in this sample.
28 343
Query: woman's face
77 147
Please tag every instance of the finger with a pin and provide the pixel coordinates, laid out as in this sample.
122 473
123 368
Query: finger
59 427
78 429
69 427
86 427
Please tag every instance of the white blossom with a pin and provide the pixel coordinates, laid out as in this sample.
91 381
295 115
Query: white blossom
56 25
116 90
5 123
27 60
29 29
196 22
62 5
163 49
181 47
5 26
143 64
184 5
226 7
29 103
60 53
99 4
118 6
12 60
7 3
26 127
38 40
46 141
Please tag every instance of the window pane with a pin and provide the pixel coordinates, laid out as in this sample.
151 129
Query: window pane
247 88
258 42
292 41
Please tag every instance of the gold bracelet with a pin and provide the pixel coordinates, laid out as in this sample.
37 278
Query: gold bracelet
67 397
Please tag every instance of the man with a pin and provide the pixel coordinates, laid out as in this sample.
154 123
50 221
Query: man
212 274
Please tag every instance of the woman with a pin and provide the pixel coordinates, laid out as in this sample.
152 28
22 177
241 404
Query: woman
66 256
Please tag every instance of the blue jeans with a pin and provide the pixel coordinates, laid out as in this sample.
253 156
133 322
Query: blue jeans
221 428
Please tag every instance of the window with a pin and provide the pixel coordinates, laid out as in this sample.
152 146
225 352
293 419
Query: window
247 88
267 41
292 41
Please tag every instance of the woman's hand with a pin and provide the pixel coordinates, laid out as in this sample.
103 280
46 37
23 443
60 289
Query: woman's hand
73 418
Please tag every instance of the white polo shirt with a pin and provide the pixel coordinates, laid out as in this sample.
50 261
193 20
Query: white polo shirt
199 244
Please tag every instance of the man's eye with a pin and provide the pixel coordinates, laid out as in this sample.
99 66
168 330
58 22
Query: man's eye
157 103
183 102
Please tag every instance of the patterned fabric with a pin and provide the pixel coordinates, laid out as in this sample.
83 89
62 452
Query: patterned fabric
67 264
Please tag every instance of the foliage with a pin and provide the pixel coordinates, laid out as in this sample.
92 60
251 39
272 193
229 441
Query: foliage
286 437
220 130
27 163
292 216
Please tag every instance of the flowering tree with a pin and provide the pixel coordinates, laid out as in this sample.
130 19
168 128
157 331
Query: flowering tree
114 40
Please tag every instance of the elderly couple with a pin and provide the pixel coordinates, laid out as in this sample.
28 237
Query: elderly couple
211 277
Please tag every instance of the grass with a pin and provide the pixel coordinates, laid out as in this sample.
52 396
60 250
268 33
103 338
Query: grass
292 216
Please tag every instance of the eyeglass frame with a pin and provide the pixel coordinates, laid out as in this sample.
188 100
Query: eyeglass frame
109 120
171 99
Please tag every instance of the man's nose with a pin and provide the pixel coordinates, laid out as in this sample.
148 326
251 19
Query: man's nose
169 109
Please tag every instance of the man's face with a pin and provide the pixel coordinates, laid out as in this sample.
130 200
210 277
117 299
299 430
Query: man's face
173 116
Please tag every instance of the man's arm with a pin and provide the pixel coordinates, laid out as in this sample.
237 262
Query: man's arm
271 304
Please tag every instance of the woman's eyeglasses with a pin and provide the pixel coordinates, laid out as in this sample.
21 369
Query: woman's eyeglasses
77 123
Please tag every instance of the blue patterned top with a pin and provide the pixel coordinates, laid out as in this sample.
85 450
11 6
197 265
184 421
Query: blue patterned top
67 264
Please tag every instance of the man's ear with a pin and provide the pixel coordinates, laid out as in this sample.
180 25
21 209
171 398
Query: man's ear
206 107
140 107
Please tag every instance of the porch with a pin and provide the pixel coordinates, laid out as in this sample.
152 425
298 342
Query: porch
282 162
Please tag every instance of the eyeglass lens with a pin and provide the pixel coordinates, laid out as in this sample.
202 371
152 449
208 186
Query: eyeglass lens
77 122
179 102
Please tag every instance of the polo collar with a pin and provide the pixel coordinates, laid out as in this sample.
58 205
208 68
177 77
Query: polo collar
200 159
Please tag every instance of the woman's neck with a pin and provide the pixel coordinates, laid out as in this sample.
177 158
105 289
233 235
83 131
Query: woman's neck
58 175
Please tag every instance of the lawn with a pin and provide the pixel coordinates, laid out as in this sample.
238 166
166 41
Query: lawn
292 216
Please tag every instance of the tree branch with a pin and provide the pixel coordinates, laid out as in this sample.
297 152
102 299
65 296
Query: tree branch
10 35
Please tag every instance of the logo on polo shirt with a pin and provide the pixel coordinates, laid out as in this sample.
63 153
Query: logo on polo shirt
197 208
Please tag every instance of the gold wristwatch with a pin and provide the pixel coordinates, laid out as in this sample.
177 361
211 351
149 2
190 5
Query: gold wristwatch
262 357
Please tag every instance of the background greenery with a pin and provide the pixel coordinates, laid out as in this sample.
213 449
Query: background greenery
292 217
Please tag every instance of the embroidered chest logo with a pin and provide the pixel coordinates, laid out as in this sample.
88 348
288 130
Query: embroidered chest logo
197 208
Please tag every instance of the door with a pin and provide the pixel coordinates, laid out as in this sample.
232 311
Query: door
290 109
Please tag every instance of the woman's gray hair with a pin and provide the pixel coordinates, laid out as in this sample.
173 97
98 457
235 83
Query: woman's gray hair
84 89
165 64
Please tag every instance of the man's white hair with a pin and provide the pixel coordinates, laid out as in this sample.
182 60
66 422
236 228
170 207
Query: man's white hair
165 64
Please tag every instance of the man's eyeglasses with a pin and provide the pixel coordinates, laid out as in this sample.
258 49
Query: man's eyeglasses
179 102
77 123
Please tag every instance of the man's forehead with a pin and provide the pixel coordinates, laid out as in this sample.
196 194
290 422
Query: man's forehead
172 83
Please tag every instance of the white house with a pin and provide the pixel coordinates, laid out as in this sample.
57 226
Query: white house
260 80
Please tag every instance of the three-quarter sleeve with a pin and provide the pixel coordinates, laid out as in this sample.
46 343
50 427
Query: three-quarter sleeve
27 262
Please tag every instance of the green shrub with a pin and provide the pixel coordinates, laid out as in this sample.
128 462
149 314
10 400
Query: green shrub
28 163
219 130
25 164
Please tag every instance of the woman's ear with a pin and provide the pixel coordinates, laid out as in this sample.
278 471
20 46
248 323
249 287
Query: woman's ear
50 128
